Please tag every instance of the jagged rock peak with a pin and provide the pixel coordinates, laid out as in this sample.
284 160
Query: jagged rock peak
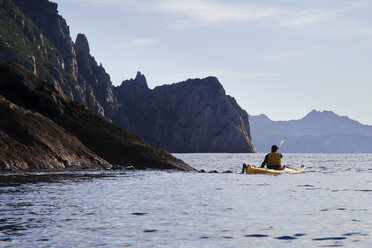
139 82
140 78
82 45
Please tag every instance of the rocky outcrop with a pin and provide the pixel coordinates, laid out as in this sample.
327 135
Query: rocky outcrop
191 116
42 123
30 141
98 95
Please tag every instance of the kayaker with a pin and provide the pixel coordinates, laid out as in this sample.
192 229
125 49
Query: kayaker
273 160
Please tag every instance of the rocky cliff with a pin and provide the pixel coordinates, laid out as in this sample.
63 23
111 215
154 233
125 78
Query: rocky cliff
41 128
22 41
33 34
191 116
98 91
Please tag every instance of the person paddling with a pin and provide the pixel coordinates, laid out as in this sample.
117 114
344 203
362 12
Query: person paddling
273 160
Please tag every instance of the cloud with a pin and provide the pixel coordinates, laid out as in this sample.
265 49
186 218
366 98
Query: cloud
136 43
305 18
325 19
206 11
294 53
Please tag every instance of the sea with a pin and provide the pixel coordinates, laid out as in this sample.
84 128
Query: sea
329 205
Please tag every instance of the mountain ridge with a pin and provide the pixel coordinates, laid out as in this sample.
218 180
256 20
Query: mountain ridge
318 131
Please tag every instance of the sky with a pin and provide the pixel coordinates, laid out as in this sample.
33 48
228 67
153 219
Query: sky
282 58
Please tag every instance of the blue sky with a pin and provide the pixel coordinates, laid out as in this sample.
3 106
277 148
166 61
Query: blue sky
282 58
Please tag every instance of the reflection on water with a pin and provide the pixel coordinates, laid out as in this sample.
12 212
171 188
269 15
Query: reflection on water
328 206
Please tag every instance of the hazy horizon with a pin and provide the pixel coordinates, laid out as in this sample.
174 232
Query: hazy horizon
278 58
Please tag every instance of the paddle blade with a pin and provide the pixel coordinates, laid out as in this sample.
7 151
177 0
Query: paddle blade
281 143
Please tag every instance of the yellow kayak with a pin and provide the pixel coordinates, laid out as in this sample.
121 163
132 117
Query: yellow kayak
253 170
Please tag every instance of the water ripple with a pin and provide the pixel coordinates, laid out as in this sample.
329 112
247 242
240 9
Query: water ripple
256 235
329 238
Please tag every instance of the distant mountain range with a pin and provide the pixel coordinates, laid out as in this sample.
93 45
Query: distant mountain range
317 132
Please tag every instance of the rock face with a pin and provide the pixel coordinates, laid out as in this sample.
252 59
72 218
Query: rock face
24 42
44 15
98 94
317 132
29 141
41 128
35 36
192 116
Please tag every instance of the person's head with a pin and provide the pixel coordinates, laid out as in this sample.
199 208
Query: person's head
274 148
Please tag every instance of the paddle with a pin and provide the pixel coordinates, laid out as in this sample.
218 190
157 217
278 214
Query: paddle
281 143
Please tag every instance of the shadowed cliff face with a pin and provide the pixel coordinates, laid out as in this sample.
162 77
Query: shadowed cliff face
30 141
191 116
22 89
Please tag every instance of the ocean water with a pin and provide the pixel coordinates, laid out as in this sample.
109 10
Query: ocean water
330 205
